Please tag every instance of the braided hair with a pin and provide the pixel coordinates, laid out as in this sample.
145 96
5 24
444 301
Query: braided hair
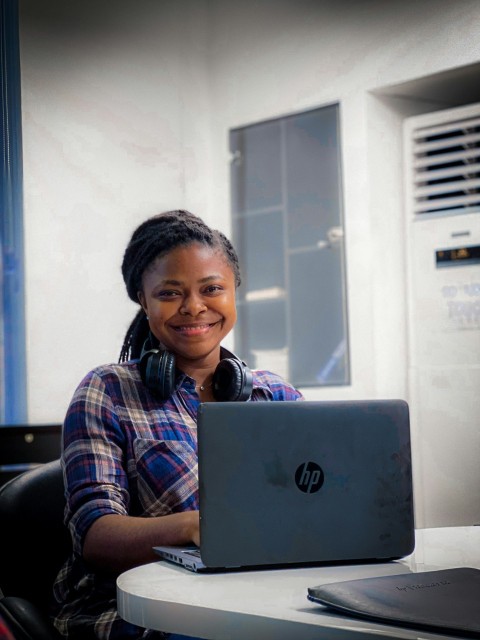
152 239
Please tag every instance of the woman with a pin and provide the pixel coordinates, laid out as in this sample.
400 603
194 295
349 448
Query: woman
130 431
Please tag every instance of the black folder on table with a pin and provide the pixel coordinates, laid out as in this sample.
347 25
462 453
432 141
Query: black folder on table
445 601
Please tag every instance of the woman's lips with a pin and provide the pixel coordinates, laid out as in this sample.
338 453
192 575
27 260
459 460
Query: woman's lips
194 329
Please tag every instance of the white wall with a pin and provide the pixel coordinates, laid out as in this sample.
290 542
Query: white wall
127 107
115 128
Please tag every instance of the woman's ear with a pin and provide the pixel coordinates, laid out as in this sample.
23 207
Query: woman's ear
141 299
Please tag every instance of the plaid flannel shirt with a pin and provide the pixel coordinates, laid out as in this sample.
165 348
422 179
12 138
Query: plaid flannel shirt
125 452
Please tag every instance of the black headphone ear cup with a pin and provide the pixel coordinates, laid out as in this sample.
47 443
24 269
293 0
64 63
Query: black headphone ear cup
159 372
232 381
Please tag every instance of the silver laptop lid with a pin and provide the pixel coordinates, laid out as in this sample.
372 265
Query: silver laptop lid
301 482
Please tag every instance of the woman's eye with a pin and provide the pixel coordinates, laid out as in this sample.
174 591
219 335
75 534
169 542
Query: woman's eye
213 288
167 294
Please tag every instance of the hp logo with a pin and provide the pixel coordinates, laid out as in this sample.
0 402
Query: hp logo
309 477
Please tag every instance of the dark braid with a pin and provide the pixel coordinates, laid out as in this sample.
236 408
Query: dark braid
135 337
154 238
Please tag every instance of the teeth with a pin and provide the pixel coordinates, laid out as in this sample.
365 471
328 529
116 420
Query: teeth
192 327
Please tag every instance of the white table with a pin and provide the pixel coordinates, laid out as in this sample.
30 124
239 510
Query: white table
272 604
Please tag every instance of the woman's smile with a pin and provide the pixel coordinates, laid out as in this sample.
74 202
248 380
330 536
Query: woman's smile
194 329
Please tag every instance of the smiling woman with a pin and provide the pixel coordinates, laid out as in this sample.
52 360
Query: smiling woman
130 437
188 296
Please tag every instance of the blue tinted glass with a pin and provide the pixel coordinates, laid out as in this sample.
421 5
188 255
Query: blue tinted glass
12 334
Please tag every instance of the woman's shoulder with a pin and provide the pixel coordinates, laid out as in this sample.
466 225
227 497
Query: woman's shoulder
112 373
275 386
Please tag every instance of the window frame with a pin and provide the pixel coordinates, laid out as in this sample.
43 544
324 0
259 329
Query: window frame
13 404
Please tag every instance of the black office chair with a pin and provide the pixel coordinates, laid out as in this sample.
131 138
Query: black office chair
34 543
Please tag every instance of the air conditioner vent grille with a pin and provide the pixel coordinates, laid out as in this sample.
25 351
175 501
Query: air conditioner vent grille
446 165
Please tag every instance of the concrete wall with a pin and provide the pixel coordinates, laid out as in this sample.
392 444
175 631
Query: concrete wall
116 127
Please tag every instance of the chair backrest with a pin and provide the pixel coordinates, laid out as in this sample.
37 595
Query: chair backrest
34 542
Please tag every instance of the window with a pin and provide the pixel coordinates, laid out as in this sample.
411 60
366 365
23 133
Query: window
288 230
12 314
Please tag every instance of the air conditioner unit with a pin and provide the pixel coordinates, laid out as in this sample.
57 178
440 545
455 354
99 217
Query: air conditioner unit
442 174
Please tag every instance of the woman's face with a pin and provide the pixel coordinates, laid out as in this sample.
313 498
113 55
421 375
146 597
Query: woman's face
189 297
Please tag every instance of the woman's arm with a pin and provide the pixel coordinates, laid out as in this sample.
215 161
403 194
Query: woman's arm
115 543
96 454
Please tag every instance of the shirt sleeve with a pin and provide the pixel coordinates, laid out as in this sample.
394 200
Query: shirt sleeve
272 387
93 446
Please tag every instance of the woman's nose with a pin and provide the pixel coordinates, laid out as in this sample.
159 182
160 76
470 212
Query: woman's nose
192 305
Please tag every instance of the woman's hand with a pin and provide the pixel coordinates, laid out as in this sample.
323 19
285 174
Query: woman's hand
115 543
195 533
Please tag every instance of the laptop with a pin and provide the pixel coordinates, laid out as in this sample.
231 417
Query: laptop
301 483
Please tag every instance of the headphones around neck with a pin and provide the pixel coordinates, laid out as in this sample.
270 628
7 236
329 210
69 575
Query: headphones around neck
232 379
